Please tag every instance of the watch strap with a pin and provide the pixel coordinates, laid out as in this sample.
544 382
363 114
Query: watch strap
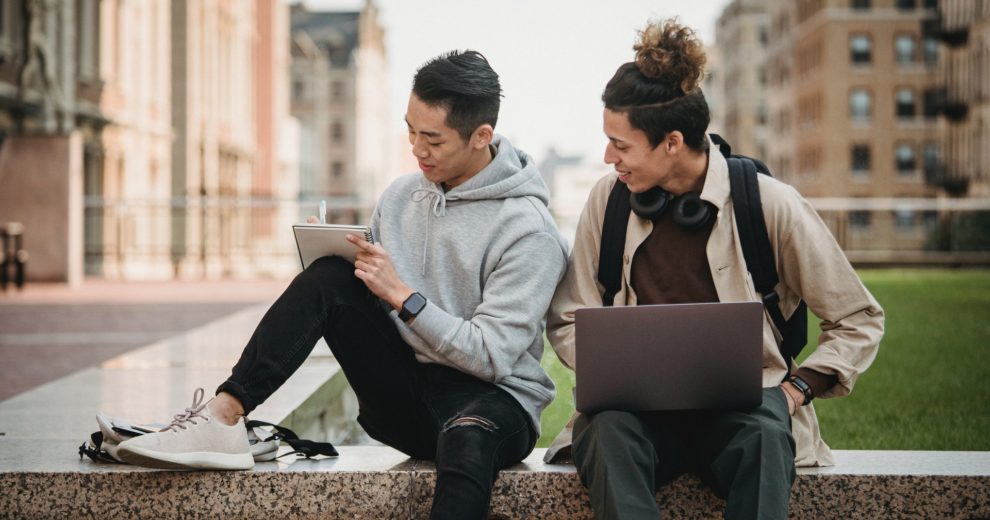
803 386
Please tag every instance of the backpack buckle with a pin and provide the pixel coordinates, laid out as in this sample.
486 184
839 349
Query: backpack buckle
771 298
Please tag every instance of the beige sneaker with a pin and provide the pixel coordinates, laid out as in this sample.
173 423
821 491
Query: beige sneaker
194 440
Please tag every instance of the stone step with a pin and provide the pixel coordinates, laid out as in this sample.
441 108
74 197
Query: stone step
379 482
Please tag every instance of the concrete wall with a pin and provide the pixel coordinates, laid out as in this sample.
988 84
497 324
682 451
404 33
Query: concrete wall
41 187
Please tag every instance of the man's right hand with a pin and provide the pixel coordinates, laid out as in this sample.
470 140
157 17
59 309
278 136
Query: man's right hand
794 397
312 220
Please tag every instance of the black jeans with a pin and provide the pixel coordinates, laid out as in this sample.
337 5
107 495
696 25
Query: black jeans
470 427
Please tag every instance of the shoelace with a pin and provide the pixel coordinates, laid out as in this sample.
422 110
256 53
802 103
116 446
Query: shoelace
192 412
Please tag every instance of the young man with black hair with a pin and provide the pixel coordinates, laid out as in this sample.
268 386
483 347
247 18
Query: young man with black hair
438 326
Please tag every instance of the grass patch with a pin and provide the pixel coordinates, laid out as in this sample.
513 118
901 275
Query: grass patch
928 388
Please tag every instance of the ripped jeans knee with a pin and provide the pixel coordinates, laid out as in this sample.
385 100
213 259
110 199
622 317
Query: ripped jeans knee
460 421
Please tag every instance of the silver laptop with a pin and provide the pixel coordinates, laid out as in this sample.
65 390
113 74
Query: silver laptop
669 357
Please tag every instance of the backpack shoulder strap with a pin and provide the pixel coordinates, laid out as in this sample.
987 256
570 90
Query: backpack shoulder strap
613 241
758 253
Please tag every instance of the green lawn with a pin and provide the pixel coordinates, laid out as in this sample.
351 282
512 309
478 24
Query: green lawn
929 388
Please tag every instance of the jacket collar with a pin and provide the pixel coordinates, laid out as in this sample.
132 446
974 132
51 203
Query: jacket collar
716 188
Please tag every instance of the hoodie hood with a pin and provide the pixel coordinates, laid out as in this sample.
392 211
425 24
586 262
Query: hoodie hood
512 173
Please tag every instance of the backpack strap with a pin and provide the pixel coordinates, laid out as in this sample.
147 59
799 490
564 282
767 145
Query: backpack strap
758 253
613 241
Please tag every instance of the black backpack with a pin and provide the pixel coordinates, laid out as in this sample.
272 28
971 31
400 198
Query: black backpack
752 229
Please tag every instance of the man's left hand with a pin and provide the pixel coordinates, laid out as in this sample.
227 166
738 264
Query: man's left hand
374 267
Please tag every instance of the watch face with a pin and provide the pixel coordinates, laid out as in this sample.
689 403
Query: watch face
415 303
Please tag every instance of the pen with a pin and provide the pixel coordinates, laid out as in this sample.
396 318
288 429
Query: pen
323 212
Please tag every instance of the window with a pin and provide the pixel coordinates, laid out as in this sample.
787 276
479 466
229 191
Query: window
904 219
929 102
860 158
298 89
907 4
337 91
929 156
337 132
860 104
860 4
859 220
905 103
931 4
860 49
904 156
904 49
336 170
930 50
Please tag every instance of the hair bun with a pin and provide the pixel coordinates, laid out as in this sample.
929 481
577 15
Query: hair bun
671 53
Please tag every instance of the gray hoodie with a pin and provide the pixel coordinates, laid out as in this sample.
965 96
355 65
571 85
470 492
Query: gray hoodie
487 257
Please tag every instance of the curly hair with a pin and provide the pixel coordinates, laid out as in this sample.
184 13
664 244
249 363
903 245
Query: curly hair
660 91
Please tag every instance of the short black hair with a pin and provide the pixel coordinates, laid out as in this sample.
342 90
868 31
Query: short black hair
463 83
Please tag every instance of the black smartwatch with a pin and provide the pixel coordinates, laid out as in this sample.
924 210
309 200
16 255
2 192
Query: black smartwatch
804 387
411 308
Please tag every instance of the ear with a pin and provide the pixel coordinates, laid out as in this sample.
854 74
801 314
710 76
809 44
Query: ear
482 137
674 142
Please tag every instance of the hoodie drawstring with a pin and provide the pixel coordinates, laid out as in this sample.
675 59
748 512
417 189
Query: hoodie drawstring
439 209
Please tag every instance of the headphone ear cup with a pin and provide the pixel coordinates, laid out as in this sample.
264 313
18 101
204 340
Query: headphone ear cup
649 204
690 212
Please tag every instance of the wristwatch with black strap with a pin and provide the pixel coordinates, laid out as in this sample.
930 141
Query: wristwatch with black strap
803 386
411 308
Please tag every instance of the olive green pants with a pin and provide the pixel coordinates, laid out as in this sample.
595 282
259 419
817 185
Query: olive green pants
747 457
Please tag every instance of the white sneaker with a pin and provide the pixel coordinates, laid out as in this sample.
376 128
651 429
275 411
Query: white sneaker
194 440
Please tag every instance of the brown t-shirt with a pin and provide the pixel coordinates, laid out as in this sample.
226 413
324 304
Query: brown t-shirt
671 265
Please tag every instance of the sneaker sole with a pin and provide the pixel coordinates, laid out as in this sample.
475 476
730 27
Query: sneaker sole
192 460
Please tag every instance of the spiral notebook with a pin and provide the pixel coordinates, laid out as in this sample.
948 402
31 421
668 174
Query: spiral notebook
318 240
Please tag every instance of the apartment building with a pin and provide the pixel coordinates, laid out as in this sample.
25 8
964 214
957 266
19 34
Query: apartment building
850 106
962 165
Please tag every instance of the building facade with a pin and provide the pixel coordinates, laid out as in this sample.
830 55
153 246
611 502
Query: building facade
962 28
275 186
850 108
353 125
127 178
148 140
50 91
214 124
741 43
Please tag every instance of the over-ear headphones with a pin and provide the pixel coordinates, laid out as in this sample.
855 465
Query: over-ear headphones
690 212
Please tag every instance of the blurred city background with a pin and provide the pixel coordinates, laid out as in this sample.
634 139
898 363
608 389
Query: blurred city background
156 140
155 153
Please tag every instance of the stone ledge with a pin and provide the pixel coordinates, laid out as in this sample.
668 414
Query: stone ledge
379 482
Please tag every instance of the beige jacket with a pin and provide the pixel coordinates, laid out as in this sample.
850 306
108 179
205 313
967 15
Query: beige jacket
810 264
